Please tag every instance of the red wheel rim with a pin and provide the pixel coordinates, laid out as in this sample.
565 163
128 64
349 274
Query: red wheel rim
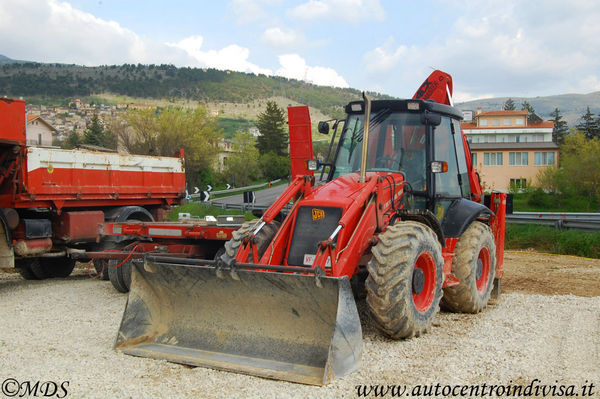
423 291
484 262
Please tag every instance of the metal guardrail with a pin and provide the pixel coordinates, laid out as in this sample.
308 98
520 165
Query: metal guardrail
558 220
238 190
243 207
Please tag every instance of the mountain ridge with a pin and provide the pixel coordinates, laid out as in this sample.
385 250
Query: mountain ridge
207 85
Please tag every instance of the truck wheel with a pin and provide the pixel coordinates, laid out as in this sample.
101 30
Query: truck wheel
404 286
263 238
101 267
474 265
58 267
23 266
39 269
120 277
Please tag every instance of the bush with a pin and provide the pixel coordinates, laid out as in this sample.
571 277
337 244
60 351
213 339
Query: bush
274 166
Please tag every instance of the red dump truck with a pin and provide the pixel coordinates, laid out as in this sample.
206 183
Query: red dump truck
53 201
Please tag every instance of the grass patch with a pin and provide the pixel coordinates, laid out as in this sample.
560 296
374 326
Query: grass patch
536 200
201 210
231 126
548 239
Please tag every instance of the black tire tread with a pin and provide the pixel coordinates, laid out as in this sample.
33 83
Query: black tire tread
120 277
61 267
263 238
23 266
465 297
389 285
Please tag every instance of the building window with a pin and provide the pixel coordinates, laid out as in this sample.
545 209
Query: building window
518 158
520 121
495 122
492 158
474 158
544 158
517 184
483 122
507 122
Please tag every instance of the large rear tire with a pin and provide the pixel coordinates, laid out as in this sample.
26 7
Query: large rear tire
404 286
475 267
262 239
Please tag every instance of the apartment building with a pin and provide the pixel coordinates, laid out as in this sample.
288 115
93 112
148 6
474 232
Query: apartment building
509 148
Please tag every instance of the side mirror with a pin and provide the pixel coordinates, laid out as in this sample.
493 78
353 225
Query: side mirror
323 127
428 118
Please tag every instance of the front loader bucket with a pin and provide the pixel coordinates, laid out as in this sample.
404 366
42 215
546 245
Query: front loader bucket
276 325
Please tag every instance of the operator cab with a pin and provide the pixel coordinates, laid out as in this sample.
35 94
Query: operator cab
407 136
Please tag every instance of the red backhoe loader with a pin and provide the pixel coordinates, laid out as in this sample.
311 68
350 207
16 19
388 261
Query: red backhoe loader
396 208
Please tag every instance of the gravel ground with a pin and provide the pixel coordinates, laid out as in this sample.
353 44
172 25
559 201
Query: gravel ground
63 330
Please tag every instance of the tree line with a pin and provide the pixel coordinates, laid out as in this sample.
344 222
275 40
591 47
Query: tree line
163 131
166 81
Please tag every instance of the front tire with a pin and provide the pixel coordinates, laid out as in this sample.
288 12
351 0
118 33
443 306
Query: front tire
475 267
404 286
262 240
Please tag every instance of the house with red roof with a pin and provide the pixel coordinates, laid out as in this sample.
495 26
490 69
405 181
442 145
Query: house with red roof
38 131
509 148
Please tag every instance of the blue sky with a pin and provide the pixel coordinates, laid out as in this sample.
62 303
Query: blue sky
491 48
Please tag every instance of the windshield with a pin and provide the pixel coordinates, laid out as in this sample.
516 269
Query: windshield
396 144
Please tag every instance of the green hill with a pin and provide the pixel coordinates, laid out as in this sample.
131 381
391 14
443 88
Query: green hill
234 95
56 81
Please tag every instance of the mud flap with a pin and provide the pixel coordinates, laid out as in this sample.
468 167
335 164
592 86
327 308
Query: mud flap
282 326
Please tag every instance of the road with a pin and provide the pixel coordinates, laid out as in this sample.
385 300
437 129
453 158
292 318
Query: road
263 197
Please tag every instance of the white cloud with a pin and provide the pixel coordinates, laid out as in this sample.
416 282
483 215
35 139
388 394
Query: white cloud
281 38
520 49
231 57
294 67
385 58
53 31
352 11
248 11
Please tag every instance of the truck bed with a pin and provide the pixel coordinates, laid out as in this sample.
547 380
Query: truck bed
73 178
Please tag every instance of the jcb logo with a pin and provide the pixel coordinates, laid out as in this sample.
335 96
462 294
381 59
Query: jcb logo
318 214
